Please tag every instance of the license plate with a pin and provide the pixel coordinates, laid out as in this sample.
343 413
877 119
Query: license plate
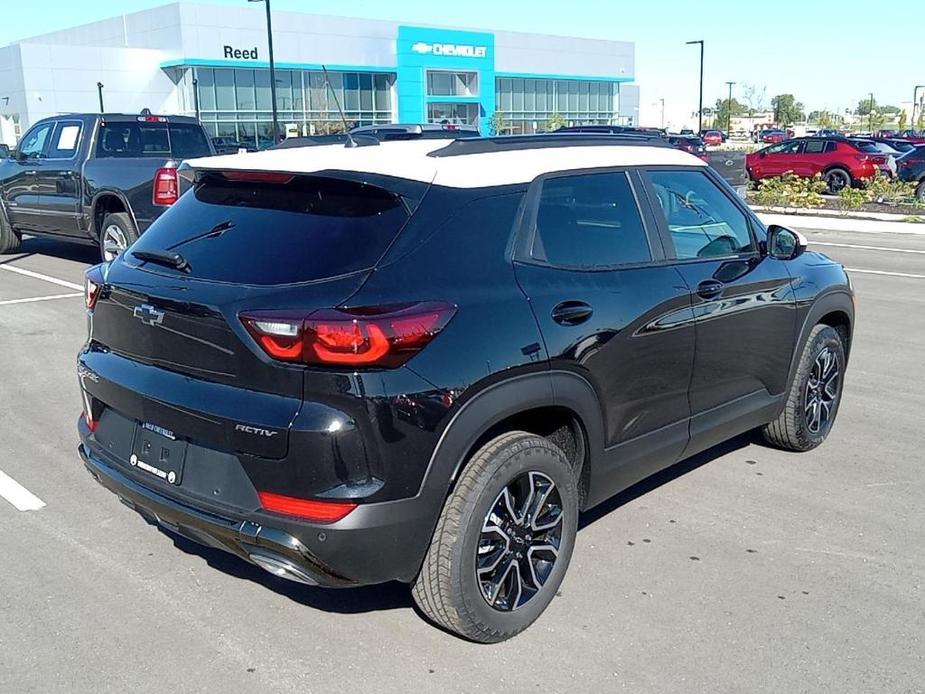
158 452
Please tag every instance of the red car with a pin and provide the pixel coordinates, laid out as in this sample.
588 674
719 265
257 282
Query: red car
713 138
840 162
772 137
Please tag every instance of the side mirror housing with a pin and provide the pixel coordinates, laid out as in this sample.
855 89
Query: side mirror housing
784 243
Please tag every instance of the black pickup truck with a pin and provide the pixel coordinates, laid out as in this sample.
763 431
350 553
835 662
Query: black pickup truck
95 178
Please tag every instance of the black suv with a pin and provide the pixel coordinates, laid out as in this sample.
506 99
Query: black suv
419 361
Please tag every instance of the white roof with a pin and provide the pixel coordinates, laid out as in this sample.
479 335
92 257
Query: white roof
409 160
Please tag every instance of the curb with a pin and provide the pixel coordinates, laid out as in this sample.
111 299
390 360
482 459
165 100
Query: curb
869 226
834 214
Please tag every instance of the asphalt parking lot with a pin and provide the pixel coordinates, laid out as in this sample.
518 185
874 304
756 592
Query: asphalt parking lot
743 570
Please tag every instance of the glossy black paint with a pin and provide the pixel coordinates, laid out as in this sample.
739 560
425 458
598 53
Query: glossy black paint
63 197
653 362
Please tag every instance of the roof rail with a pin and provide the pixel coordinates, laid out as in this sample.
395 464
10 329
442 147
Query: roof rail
511 143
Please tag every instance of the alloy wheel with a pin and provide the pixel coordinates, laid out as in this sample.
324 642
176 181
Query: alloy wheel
837 181
822 390
519 543
114 242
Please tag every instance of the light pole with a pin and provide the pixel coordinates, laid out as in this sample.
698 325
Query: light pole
870 113
700 107
196 97
99 91
662 100
272 70
729 112
915 94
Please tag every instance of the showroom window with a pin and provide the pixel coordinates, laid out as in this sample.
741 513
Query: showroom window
443 83
460 114
237 102
529 104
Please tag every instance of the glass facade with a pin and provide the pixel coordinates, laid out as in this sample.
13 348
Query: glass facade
529 104
443 83
237 103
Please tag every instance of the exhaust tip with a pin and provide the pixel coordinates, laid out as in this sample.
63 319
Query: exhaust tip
282 568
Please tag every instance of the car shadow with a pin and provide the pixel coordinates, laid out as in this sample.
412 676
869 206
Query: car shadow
394 595
665 476
32 245
386 596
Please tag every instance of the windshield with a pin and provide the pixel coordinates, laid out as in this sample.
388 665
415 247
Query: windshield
266 232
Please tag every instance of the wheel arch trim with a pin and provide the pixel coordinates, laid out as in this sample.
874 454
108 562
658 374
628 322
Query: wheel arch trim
109 193
835 301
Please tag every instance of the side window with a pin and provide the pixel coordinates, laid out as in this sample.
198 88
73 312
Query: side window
34 142
66 140
589 220
702 220
830 147
815 146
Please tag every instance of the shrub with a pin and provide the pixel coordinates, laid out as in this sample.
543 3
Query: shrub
852 198
791 190
884 189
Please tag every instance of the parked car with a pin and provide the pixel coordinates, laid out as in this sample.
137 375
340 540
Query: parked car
386 132
686 131
713 138
884 155
897 144
839 161
689 143
229 145
612 130
910 167
828 132
773 136
886 134
418 361
95 179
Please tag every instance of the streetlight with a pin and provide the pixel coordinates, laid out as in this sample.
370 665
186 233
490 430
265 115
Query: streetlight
700 109
662 100
870 113
915 94
729 112
99 91
272 70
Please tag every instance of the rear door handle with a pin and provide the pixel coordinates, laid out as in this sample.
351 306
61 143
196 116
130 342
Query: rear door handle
32 173
571 312
709 289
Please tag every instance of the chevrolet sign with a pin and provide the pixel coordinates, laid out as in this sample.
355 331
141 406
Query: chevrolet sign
450 49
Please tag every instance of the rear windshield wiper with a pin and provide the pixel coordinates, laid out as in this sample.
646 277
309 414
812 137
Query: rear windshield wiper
163 258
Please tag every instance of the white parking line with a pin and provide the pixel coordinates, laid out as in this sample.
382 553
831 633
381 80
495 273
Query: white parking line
883 272
33 299
18 495
39 276
866 248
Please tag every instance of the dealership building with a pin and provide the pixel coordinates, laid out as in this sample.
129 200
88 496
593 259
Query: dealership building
212 61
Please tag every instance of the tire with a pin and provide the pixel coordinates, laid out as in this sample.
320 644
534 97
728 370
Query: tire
450 590
116 234
802 426
920 191
9 239
836 180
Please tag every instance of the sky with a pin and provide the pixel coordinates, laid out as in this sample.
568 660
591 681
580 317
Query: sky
825 58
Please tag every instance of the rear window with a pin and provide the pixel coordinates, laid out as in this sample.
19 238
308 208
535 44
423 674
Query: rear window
306 229
139 139
866 147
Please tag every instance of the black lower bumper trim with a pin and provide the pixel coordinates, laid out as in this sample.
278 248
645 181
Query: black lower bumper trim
270 548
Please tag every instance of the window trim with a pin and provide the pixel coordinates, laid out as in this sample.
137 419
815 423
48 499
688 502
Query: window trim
525 236
77 144
752 222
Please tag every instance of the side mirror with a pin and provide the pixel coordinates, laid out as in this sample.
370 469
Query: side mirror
784 243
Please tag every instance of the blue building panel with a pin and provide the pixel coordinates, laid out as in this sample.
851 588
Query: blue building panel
420 49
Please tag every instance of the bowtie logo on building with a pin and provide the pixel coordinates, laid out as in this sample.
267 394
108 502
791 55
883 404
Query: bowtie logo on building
450 49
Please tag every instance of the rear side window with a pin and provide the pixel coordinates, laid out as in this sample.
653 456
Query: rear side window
141 139
816 147
589 220
702 221
66 140
866 147
303 229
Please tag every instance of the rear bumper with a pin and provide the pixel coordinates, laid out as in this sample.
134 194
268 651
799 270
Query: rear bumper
373 544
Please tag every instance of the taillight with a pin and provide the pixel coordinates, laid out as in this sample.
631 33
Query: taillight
371 336
307 509
166 186
861 157
91 293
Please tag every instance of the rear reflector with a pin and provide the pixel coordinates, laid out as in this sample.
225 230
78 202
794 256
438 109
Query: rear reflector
370 336
166 186
307 509
91 292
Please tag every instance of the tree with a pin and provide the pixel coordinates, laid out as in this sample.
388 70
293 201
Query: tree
824 119
755 98
920 121
724 107
903 120
787 109
497 124
865 106
890 110
555 122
